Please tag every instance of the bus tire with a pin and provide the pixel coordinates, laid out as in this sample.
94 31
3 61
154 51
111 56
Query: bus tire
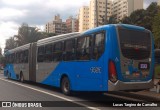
21 77
65 86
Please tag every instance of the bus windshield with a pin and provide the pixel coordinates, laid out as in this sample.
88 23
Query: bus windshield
135 44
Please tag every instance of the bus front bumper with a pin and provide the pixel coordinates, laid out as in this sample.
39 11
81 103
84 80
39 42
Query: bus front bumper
129 86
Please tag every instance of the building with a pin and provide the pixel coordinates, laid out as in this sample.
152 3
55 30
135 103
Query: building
88 14
72 24
159 2
83 18
56 26
98 12
122 8
97 9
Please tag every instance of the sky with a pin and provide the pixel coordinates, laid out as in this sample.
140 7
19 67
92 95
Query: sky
36 13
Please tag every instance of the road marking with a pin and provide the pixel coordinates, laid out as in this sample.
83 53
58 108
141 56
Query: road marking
54 95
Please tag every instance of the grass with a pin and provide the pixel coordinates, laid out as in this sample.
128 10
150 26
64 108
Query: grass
157 71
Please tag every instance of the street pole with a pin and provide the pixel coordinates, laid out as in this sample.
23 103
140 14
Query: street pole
105 22
96 13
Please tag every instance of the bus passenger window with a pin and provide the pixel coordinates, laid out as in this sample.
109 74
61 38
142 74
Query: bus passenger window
99 45
25 58
48 53
40 57
12 58
69 53
17 57
83 48
57 52
21 58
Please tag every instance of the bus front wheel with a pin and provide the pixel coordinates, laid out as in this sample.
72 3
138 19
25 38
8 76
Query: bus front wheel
65 86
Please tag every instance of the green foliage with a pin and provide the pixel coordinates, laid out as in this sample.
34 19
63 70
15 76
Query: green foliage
112 20
149 18
51 34
156 29
135 18
27 34
2 60
142 17
45 34
157 71
10 43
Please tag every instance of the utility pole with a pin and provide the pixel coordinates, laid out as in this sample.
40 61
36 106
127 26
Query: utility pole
105 22
96 13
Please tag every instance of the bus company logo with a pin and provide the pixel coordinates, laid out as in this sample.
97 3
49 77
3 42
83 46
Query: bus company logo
6 104
21 104
95 69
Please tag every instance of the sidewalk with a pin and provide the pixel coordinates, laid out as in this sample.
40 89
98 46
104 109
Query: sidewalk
151 93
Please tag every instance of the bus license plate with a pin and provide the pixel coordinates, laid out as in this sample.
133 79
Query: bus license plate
136 74
143 66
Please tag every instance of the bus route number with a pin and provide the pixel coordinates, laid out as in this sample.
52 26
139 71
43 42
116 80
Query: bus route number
95 69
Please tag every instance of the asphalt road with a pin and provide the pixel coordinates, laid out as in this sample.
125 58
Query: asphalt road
11 90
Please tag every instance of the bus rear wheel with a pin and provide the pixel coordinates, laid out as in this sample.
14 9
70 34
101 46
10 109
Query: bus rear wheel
65 86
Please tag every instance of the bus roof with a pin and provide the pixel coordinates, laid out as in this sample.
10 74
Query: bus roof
23 47
57 38
128 26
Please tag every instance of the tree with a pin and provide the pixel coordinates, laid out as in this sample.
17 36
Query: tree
142 17
27 34
112 20
51 34
156 29
46 35
2 61
151 11
10 43
135 18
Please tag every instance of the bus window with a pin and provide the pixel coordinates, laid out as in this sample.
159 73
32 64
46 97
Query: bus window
98 47
84 48
12 58
132 43
9 58
21 57
40 57
25 57
57 52
48 53
17 57
69 53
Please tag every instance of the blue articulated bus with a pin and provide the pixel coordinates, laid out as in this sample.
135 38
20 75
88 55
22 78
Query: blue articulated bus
108 58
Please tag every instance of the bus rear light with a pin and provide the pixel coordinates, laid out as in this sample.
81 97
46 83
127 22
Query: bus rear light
112 72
